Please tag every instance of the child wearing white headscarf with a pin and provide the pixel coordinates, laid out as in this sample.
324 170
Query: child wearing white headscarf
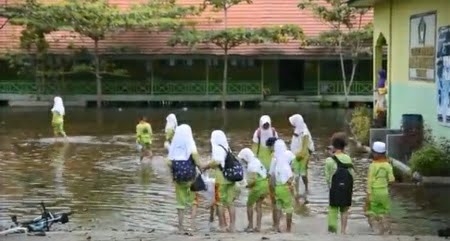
171 125
279 148
283 187
258 185
227 189
301 145
260 136
183 147
58 112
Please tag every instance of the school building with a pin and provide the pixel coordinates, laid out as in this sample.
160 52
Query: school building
158 72
417 36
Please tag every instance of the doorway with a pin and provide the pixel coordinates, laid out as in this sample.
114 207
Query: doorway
291 75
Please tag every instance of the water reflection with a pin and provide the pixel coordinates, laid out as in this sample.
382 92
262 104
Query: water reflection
97 175
58 160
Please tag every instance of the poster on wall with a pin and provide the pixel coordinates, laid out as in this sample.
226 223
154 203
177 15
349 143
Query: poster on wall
422 41
443 75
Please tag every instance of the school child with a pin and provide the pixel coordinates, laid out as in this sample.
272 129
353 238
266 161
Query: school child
184 161
58 112
227 188
258 186
339 175
302 146
171 125
284 180
260 136
144 135
379 176
270 143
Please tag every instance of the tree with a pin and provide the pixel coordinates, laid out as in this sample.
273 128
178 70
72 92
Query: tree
37 21
229 38
2 25
348 35
96 19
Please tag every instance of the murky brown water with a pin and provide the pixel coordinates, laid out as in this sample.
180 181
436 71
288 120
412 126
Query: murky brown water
97 176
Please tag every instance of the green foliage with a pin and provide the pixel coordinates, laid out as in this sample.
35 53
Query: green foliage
360 124
348 32
348 35
430 161
227 39
219 5
160 15
433 159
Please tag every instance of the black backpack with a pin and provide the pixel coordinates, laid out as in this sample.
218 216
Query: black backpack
341 190
232 170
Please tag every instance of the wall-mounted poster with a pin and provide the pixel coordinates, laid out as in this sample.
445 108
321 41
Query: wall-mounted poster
443 75
422 40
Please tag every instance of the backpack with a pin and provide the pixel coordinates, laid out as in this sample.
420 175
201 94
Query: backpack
184 170
341 190
258 134
232 170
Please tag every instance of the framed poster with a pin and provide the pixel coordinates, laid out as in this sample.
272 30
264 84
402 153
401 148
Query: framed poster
422 41
443 75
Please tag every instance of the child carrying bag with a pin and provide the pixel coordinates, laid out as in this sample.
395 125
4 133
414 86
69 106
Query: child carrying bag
232 170
184 170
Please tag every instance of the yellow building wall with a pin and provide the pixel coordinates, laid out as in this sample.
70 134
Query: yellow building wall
392 18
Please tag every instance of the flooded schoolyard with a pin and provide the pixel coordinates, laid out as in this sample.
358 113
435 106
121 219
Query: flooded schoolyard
96 173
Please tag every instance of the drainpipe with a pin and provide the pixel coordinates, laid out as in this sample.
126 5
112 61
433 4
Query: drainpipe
390 66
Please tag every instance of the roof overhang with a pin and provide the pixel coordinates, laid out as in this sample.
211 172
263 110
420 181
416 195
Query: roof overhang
362 3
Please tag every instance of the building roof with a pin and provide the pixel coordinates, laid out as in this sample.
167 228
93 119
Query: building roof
260 13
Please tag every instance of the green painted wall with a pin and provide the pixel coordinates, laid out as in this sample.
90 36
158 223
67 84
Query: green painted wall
408 96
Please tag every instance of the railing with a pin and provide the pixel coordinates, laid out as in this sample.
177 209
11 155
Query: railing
171 88
337 88
130 88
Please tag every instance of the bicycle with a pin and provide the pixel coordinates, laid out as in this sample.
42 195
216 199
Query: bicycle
40 224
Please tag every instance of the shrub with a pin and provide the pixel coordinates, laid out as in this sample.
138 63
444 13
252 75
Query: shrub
360 123
430 160
433 158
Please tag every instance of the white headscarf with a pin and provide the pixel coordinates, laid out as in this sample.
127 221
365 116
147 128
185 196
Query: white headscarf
279 148
254 165
171 122
301 129
264 134
283 169
218 143
183 144
58 105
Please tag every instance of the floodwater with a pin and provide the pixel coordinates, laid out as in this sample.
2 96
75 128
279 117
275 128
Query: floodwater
97 175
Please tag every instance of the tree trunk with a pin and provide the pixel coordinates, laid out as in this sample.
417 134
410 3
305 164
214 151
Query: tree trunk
98 77
344 79
352 77
225 78
225 62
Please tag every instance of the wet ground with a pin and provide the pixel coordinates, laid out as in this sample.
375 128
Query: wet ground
96 173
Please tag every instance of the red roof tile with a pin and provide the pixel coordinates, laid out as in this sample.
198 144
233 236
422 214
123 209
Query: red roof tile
260 13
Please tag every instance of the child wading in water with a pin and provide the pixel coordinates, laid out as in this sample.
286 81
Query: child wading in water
301 145
339 175
283 178
171 125
258 186
58 113
144 137
183 161
379 176
227 189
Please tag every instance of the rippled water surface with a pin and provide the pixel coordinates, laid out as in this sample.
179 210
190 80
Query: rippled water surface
96 174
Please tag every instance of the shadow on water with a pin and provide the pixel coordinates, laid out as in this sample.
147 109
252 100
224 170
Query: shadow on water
97 174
